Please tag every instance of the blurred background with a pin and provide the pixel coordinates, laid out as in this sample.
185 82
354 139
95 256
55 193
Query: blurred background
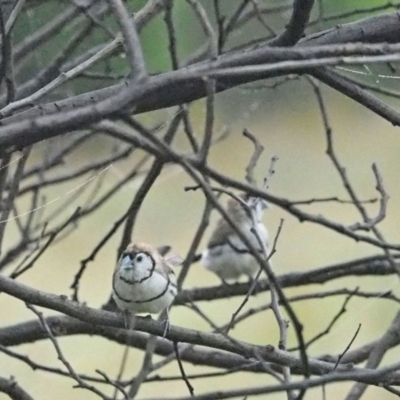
285 117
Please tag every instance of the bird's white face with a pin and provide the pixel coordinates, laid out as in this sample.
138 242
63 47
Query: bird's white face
136 266
259 205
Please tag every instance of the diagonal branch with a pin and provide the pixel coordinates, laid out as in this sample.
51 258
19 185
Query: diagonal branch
376 355
12 389
298 23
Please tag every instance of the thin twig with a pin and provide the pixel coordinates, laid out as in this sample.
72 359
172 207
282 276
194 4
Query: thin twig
12 194
181 369
131 41
146 367
336 317
255 280
258 149
207 27
347 347
208 130
73 374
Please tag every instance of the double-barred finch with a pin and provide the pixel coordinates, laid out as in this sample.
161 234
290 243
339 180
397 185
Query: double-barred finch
226 254
144 281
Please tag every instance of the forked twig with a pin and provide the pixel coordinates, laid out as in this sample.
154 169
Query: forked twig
73 374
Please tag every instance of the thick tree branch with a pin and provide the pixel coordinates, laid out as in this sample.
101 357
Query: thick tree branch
181 86
98 317
11 387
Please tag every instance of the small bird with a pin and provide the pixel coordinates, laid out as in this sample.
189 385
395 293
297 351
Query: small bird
226 254
144 281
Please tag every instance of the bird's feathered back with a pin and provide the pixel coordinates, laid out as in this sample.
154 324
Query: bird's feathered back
238 213
227 255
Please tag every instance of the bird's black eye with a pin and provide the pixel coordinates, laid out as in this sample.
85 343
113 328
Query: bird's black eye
139 258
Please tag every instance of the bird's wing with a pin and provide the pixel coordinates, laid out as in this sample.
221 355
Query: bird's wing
220 235
169 262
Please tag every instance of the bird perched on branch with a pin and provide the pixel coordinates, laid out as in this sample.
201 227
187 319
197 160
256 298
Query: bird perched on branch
144 281
226 254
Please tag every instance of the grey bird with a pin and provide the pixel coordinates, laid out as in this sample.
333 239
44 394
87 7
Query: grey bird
226 255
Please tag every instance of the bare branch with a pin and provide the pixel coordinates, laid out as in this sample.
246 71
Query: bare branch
93 316
233 53
182 371
207 27
258 149
12 193
376 355
254 283
298 23
73 374
146 367
348 346
12 389
131 41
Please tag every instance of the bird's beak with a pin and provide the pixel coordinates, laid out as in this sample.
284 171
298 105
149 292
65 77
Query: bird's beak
126 263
